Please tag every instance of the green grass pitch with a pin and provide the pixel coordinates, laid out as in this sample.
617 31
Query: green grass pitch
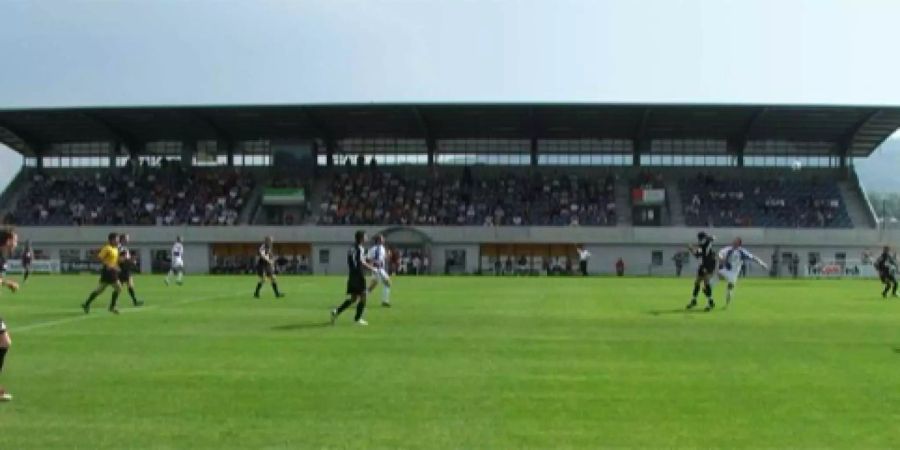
459 362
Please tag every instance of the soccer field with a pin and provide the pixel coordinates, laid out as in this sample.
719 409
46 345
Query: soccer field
459 362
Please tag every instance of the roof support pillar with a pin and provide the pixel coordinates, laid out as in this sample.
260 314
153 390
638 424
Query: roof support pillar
534 152
641 146
844 159
330 144
315 154
735 148
229 150
431 145
188 150
115 149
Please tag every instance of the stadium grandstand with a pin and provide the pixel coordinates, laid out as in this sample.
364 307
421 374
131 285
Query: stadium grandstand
467 188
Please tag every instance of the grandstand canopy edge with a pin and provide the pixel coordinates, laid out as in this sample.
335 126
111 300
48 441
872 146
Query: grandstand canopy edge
523 134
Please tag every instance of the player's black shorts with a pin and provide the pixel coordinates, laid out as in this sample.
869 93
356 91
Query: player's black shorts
264 270
886 276
26 263
356 285
124 275
706 269
109 276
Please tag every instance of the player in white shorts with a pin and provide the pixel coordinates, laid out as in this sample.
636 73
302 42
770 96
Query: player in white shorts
177 266
378 258
731 260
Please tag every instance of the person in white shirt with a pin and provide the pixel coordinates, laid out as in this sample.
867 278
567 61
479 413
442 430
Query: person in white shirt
583 257
378 259
731 260
177 266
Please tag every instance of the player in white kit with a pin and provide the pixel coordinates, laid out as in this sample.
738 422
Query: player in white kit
177 266
731 260
378 258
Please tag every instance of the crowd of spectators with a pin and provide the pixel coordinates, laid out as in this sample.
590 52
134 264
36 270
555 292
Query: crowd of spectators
409 262
167 195
710 201
525 265
379 197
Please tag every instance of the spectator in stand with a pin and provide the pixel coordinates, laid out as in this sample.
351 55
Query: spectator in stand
769 203
377 197
118 197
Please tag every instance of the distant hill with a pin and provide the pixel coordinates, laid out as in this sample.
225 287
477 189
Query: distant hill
881 171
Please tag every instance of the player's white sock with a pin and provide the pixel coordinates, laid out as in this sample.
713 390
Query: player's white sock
168 276
386 294
728 295
180 276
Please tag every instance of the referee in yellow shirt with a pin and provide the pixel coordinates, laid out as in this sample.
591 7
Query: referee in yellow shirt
109 274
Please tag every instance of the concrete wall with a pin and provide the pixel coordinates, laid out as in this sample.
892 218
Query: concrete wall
634 244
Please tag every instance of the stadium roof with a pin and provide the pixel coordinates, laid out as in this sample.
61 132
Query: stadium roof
857 129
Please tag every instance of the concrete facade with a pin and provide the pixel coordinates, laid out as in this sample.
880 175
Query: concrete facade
635 245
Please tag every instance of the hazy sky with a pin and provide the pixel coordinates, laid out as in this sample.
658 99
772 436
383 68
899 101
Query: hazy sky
140 52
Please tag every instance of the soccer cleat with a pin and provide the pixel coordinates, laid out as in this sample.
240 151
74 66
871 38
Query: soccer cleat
334 315
692 304
114 311
279 295
138 304
86 308
362 322
255 295
386 304
710 306
166 281
5 396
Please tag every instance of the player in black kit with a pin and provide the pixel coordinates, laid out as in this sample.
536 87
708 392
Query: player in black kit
8 242
706 255
356 280
887 269
265 267
126 267
27 259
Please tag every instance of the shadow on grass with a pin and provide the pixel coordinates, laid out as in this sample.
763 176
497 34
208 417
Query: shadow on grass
302 326
897 350
660 312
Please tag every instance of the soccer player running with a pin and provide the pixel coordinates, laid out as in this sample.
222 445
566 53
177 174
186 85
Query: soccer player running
731 259
27 259
177 266
706 255
126 267
109 274
8 242
265 268
356 280
378 258
887 268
